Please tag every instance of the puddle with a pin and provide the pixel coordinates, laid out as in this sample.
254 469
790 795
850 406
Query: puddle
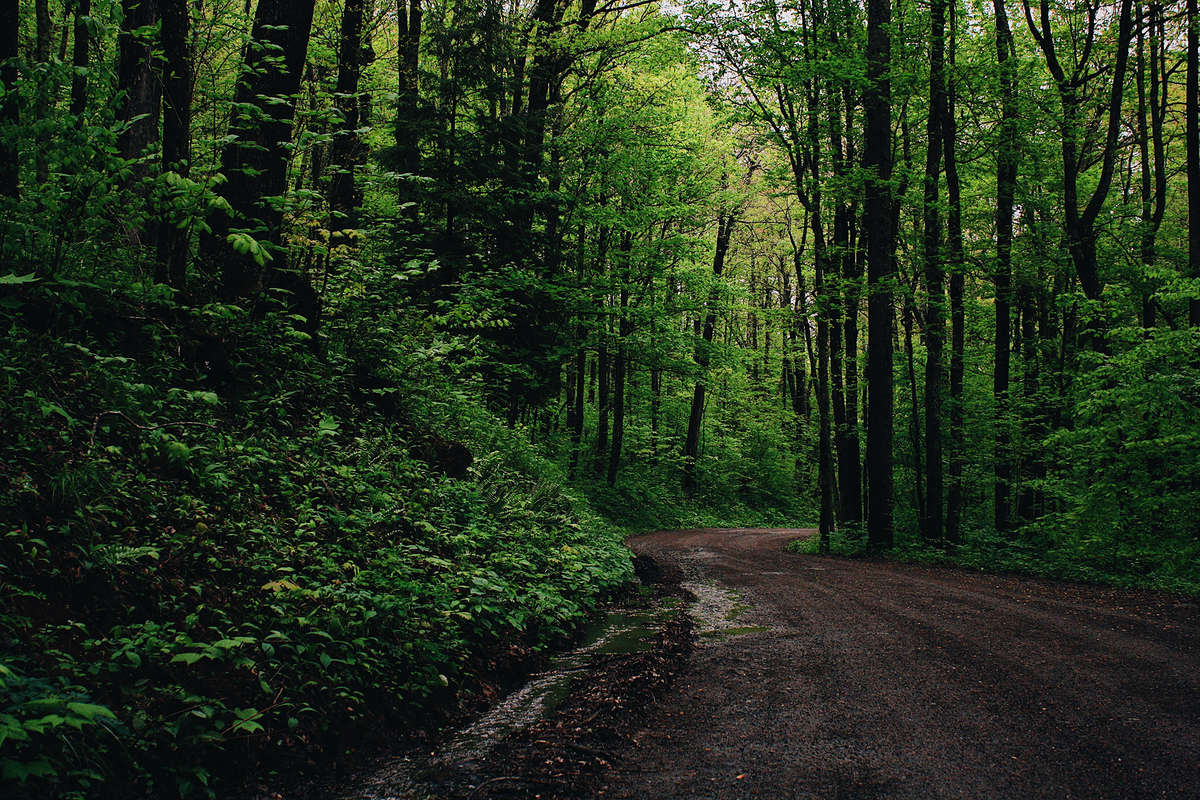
618 632
716 612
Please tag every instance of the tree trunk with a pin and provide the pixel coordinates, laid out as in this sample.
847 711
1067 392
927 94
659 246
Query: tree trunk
1192 125
138 84
408 120
10 110
80 59
1007 155
877 162
954 495
255 162
915 422
620 366
691 443
932 529
177 132
344 196
45 36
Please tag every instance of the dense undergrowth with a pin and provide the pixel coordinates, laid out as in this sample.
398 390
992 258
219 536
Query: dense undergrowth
223 553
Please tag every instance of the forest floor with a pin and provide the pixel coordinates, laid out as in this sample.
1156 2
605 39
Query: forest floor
833 678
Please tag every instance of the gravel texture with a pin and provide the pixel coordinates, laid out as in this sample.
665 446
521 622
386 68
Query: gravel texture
860 678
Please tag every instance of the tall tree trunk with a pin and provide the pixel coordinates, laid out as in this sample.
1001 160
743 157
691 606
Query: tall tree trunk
255 161
408 119
344 196
577 414
935 320
691 443
1151 149
138 84
45 36
1007 155
850 479
10 110
825 465
1029 391
1080 222
877 162
1192 125
80 59
915 412
954 494
620 367
177 132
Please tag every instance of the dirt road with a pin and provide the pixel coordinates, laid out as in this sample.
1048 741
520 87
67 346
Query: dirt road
854 679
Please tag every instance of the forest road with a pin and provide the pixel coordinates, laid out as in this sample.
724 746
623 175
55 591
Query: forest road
859 678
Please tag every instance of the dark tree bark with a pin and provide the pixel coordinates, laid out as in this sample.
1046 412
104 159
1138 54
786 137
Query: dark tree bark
408 119
620 366
850 479
138 85
877 162
1192 125
1080 222
45 36
914 427
932 528
691 443
1152 108
344 196
177 132
825 464
1026 498
80 59
10 110
255 162
1007 156
957 267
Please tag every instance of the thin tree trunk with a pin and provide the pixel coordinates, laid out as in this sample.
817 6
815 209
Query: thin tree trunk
344 196
1192 125
177 133
915 422
408 121
10 114
954 495
691 444
877 162
620 367
932 529
80 59
45 35
1007 156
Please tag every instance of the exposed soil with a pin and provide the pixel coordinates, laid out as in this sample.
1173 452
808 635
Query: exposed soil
876 679
817 677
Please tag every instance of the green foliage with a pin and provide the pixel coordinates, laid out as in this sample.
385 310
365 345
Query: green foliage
215 542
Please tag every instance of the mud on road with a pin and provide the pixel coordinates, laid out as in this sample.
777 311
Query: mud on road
858 678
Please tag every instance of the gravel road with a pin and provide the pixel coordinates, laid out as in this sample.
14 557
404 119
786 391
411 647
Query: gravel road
859 678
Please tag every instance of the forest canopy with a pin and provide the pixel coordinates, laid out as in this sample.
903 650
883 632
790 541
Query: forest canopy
344 340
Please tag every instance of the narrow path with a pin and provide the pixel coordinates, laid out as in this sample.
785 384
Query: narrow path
856 679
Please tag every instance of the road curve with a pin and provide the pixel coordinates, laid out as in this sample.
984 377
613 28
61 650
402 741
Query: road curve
875 679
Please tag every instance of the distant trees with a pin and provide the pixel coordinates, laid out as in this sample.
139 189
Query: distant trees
937 207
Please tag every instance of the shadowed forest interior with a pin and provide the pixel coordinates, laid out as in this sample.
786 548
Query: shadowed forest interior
346 341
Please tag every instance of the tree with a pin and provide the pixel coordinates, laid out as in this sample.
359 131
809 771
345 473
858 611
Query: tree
255 161
1072 85
9 107
177 75
877 162
138 85
1007 157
